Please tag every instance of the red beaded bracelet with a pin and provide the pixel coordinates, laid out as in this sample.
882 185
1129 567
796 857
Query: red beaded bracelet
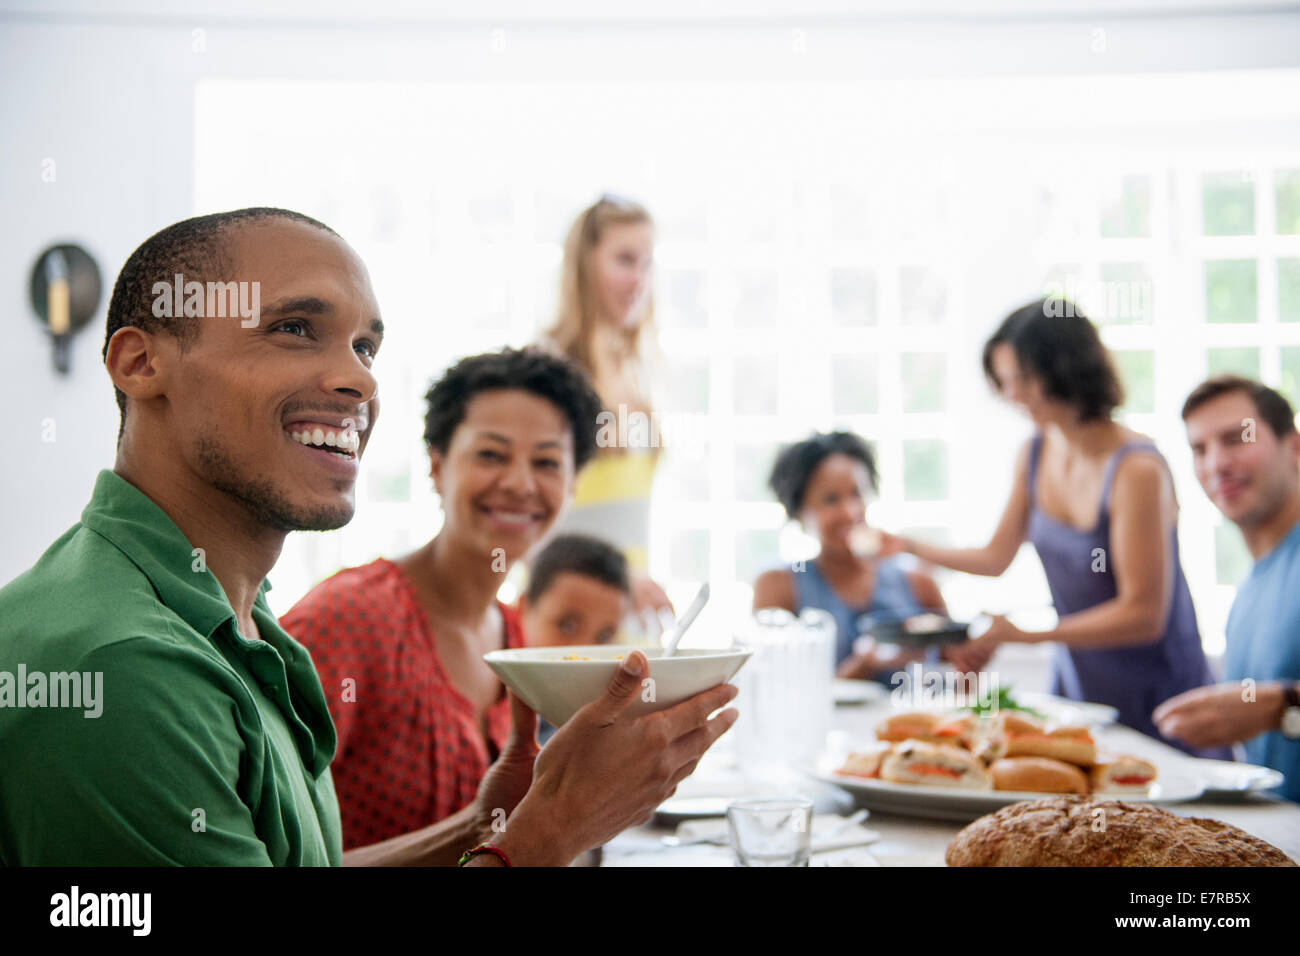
484 848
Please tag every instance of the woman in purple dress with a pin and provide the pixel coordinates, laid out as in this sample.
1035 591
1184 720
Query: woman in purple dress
1097 501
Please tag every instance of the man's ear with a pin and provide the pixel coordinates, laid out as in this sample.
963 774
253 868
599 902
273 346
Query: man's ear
522 605
1293 446
133 363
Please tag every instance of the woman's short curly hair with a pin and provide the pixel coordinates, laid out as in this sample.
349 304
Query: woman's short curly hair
796 463
530 369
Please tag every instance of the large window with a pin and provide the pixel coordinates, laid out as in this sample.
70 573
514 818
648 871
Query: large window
827 256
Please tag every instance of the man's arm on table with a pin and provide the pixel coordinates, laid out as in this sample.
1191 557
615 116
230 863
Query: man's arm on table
1222 714
443 843
121 789
438 845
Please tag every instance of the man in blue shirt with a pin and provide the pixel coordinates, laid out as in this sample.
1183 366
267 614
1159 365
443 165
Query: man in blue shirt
1246 453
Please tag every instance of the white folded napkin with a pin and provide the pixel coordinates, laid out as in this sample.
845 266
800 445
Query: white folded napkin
702 831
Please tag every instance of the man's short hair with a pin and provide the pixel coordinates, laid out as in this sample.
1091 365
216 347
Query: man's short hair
194 248
796 463
531 369
577 554
1271 405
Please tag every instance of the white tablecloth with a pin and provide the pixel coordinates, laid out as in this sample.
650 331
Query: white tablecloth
907 841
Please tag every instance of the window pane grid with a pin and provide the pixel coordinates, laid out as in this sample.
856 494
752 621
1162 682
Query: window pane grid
844 276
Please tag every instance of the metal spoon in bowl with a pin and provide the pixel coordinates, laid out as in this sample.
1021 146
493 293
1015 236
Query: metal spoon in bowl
673 635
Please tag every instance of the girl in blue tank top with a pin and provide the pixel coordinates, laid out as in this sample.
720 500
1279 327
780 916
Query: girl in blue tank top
1097 502
824 482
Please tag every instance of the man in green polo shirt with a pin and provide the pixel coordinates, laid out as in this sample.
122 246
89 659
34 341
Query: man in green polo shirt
152 711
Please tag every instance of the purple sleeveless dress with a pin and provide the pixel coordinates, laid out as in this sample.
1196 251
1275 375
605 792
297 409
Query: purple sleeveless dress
1134 680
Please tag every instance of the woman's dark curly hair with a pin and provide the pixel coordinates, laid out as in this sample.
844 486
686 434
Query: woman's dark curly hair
1055 343
530 369
796 463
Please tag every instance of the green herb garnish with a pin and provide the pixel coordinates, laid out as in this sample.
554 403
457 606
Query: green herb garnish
1004 702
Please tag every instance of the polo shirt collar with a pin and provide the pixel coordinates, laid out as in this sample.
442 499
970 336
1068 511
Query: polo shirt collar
130 520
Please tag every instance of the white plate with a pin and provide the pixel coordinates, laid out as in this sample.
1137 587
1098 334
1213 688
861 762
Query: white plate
1057 710
858 691
676 809
1227 778
947 803
1062 710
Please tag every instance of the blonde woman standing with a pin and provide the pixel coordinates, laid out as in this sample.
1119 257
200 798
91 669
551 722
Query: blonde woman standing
605 325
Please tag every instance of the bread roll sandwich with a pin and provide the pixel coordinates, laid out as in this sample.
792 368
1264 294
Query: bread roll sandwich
1037 775
1000 728
1122 774
958 731
1016 736
1016 722
935 765
918 725
865 763
1090 831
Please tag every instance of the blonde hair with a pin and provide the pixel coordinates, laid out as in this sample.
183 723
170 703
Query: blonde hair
576 317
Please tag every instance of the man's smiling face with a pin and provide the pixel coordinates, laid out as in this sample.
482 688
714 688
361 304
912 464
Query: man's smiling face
1248 474
243 406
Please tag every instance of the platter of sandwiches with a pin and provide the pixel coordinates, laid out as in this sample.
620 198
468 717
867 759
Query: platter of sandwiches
960 765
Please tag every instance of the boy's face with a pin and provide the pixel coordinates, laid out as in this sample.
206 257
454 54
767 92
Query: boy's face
575 609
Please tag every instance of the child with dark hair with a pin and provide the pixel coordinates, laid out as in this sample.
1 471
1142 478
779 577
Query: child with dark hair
1096 500
578 593
825 482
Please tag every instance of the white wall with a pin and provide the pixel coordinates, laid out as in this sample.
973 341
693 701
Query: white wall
107 92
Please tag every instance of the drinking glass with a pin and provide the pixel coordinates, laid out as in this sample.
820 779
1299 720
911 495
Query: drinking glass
770 832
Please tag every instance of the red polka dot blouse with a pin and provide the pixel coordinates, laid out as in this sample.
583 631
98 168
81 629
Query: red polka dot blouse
410 751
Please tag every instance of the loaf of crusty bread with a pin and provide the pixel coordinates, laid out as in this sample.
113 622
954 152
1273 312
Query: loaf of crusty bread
1067 831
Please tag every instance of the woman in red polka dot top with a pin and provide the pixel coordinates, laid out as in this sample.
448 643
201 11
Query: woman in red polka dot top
399 644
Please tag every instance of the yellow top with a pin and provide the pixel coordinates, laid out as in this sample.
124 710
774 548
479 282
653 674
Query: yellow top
612 502
615 478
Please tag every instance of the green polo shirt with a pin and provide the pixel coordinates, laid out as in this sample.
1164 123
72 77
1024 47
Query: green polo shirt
208 749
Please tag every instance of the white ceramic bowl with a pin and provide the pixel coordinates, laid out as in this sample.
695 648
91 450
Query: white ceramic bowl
557 688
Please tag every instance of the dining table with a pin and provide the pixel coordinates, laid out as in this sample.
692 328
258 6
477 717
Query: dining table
906 840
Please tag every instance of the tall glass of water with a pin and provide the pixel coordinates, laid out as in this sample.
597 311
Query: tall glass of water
786 687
